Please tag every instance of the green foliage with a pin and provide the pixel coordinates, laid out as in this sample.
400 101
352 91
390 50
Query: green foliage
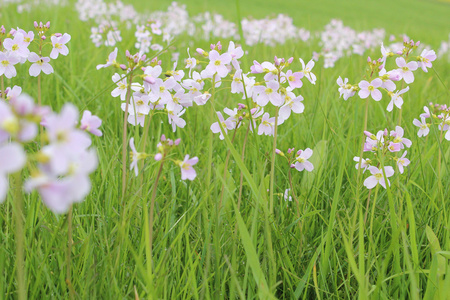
400 251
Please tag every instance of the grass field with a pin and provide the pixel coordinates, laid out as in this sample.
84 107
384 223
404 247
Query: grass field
332 244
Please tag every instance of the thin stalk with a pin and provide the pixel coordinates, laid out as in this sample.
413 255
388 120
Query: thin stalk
18 205
225 169
41 129
124 139
272 165
2 91
150 229
69 252
144 144
234 256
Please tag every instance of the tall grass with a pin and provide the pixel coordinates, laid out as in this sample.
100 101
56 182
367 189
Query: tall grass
321 247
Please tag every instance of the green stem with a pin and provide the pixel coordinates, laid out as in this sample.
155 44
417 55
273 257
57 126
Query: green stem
225 169
69 253
272 165
18 210
124 139
150 234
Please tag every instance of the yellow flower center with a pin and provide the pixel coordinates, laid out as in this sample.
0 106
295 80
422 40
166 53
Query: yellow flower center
5 63
268 91
217 63
15 47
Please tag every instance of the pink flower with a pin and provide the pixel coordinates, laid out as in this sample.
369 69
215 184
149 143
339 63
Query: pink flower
17 46
12 159
59 45
187 171
264 94
307 70
422 124
367 89
267 125
301 161
91 123
135 157
396 99
345 89
110 61
7 62
217 64
294 79
398 137
226 125
377 177
425 59
292 103
40 64
365 163
406 69
402 162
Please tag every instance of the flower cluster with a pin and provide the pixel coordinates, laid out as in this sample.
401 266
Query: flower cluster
164 147
439 115
381 80
14 49
383 148
60 169
276 85
299 161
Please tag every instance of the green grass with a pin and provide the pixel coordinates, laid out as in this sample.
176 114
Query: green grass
321 247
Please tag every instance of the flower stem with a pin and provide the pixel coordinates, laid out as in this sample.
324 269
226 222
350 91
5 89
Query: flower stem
18 211
124 139
2 91
69 253
41 129
150 228
225 169
272 165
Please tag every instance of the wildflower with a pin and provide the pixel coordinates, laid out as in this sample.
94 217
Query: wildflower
135 157
425 59
267 125
377 177
12 159
367 89
365 163
291 103
91 123
402 162
294 79
226 125
17 46
7 62
264 94
187 171
111 61
396 99
301 161
59 45
40 64
422 124
345 89
217 63
398 137
307 70
406 69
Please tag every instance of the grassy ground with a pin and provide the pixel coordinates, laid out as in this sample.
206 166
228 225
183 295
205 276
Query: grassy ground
321 246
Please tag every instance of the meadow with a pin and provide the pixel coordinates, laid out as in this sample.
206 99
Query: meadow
252 222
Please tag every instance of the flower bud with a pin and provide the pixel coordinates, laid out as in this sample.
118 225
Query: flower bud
290 60
177 142
158 156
